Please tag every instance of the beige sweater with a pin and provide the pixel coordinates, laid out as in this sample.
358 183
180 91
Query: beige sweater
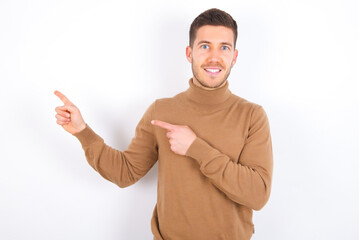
211 192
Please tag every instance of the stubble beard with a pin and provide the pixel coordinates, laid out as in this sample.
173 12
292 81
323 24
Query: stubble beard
196 75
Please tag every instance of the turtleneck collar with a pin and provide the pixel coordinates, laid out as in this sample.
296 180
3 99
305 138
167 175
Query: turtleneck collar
208 97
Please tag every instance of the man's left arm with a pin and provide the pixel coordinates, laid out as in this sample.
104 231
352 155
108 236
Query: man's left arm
247 182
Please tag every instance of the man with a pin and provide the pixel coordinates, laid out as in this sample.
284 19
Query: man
213 147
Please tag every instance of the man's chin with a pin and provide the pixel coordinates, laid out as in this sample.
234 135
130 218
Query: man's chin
209 82
215 83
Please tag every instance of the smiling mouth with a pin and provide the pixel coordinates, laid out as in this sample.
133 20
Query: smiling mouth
213 70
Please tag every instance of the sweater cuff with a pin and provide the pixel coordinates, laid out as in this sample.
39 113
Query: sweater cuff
87 136
200 150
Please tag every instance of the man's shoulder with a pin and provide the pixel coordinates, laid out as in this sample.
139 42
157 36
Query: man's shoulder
168 100
245 103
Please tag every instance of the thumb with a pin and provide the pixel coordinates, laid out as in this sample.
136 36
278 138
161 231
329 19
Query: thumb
68 108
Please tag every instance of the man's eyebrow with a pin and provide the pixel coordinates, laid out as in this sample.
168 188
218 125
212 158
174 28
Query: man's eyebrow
222 43
226 43
203 41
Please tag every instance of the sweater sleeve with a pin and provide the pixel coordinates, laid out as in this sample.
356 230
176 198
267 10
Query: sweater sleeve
122 167
249 181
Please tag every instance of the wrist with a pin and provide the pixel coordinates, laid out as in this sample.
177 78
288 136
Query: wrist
81 128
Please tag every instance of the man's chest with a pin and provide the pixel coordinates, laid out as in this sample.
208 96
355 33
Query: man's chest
225 129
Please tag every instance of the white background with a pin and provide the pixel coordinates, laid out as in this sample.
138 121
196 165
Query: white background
298 59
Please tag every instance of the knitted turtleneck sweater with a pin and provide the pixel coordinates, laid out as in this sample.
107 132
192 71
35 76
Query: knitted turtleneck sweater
209 193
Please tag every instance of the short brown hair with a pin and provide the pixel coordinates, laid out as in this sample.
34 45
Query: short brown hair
214 17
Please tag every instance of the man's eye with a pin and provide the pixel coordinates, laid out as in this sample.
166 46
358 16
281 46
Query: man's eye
204 46
225 48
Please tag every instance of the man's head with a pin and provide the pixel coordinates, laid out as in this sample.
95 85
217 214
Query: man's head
213 17
212 52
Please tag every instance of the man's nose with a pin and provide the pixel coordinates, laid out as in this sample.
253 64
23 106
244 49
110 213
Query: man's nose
214 55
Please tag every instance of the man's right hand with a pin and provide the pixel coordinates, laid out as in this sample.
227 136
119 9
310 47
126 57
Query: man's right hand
69 116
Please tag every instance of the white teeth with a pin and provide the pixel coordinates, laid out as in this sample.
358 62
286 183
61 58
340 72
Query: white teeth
212 70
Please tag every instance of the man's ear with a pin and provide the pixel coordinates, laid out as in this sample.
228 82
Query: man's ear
235 57
189 54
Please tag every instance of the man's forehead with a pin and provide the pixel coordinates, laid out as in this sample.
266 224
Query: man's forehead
214 34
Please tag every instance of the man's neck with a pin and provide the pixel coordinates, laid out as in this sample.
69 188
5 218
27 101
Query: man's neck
197 83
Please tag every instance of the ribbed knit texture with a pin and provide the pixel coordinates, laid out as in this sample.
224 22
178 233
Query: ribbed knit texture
209 193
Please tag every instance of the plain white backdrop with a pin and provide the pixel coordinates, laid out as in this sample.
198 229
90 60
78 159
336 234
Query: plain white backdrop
298 59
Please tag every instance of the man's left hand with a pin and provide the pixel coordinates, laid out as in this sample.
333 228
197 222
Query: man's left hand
180 137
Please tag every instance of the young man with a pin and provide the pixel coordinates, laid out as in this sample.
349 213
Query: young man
213 147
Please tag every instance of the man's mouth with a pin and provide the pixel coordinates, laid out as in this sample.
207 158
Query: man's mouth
213 71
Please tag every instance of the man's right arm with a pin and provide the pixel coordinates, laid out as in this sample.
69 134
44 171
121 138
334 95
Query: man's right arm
122 168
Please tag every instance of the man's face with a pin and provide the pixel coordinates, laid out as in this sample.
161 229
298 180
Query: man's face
212 55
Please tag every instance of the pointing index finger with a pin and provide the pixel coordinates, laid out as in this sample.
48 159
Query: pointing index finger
162 124
63 98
